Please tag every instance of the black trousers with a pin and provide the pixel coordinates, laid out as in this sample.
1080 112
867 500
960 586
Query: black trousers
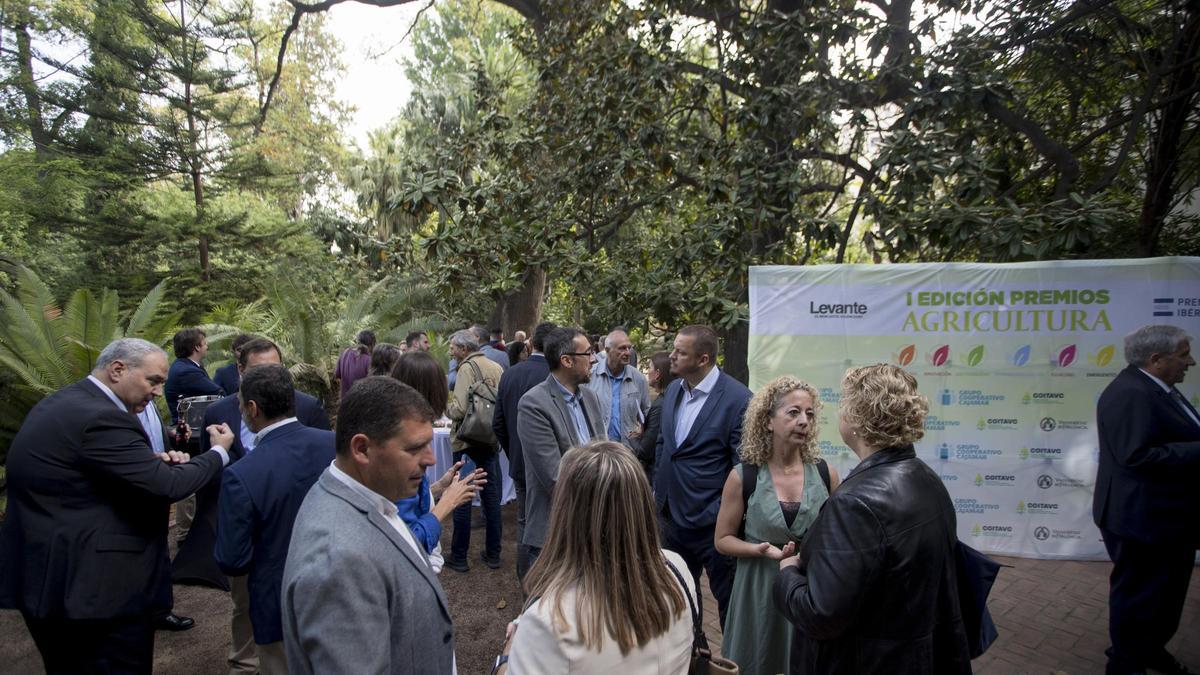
1147 588
696 548
94 646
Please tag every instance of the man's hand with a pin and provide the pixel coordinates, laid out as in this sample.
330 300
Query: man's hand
791 557
220 434
174 457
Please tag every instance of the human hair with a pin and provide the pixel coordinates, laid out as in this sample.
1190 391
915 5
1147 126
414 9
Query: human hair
481 334
187 341
239 341
465 339
560 341
256 346
1156 339
422 372
271 387
757 445
881 404
704 340
376 407
383 357
496 334
365 341
514 352
411 338
662 364
540 333
603 544
130 351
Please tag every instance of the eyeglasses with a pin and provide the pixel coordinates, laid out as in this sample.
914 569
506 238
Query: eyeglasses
588 354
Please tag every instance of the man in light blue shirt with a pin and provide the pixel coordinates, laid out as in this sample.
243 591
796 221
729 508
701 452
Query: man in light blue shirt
622 390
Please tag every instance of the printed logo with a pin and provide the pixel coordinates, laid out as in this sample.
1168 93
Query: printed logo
1021 356
974 451
1103 356
997 423
1002 531
1048 424
1045 482
935 423
947 397
940 356
964 505
1041 533
975 356
1066 356
905 357
843 310
944 451
1031 508
995 479
976 530
1164 306
976 397
1043 398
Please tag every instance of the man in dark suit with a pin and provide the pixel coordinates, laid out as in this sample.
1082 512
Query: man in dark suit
698 445
195 561
83 552
1146 503
553 417
187 376
260 495
227 376
516 381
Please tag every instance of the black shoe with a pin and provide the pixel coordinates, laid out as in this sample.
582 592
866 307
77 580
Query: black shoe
173 623
457 565
1169 665
493 563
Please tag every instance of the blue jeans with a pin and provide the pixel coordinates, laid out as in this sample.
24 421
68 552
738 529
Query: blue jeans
489 498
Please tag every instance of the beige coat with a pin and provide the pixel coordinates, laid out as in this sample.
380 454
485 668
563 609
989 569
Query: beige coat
456 409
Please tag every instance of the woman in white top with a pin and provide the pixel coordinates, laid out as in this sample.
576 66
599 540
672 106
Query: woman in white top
605 599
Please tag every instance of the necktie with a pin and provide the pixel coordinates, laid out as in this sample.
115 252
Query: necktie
1183 404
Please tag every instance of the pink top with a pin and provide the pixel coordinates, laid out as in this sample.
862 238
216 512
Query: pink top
352 366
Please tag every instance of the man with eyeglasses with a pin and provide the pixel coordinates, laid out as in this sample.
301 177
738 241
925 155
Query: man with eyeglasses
622 390
553 417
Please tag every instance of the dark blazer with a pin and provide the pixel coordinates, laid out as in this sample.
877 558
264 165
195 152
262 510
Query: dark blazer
1149 463
227 378
185 379
876 590
260 495
88 504
649 443
194 562
516 381
690 477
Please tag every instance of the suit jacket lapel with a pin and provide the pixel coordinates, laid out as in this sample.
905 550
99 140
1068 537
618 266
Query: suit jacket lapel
561 404
710 403
336 487
666 415
592 414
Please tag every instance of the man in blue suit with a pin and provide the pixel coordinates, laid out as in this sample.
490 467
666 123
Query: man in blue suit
1145 501
227 377
195 561
187 377
513 384
260 495
699 443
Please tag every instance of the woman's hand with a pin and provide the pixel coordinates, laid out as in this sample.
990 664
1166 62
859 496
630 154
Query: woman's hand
459 493
768 550
439 486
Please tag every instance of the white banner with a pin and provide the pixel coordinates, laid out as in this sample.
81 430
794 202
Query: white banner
1012 357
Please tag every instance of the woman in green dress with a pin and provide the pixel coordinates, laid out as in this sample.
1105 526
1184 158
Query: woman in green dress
779 442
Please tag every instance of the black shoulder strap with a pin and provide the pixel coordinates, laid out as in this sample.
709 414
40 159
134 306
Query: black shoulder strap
749 482
824 469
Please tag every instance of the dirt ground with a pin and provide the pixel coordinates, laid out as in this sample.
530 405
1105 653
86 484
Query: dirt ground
482 602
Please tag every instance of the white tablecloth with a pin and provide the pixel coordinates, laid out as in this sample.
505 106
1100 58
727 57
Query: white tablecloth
444 459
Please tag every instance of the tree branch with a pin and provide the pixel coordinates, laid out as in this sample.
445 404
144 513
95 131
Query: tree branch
1061 157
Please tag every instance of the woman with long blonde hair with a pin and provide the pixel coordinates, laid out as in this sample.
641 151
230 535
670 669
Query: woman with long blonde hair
605 598
779 453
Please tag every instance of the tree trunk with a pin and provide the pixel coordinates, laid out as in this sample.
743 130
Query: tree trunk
34 115
522 308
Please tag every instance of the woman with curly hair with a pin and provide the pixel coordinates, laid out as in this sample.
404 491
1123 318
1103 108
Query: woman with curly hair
779 453
874 588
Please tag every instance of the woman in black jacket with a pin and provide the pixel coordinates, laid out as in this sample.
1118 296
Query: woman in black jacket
658 379
874 589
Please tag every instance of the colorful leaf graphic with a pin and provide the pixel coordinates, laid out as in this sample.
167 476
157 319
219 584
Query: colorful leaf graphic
975 356
1104 356
1066 357
1022 355
906 355
940 355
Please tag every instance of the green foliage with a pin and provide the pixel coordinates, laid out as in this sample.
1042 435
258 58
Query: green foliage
45 346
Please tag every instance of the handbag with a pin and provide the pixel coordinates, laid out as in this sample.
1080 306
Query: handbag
703 662
476 426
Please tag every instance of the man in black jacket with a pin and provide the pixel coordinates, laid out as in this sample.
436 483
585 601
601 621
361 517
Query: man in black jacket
1146 503
517 380
83 552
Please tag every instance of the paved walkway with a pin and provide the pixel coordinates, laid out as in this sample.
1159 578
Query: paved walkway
1053 619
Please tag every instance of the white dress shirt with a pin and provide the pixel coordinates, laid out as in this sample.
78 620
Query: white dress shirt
383 506
691 402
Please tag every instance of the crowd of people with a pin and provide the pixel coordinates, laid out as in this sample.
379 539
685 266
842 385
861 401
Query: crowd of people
628 486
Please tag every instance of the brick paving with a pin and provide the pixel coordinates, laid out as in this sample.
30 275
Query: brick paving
1052 616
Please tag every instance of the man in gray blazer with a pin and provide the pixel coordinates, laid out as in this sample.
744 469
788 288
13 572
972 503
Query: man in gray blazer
553 417
358 593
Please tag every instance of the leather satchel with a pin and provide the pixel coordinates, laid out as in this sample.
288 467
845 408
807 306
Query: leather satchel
476 426
703 661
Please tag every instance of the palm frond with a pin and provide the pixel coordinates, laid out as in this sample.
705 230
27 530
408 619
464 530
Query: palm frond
143 317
